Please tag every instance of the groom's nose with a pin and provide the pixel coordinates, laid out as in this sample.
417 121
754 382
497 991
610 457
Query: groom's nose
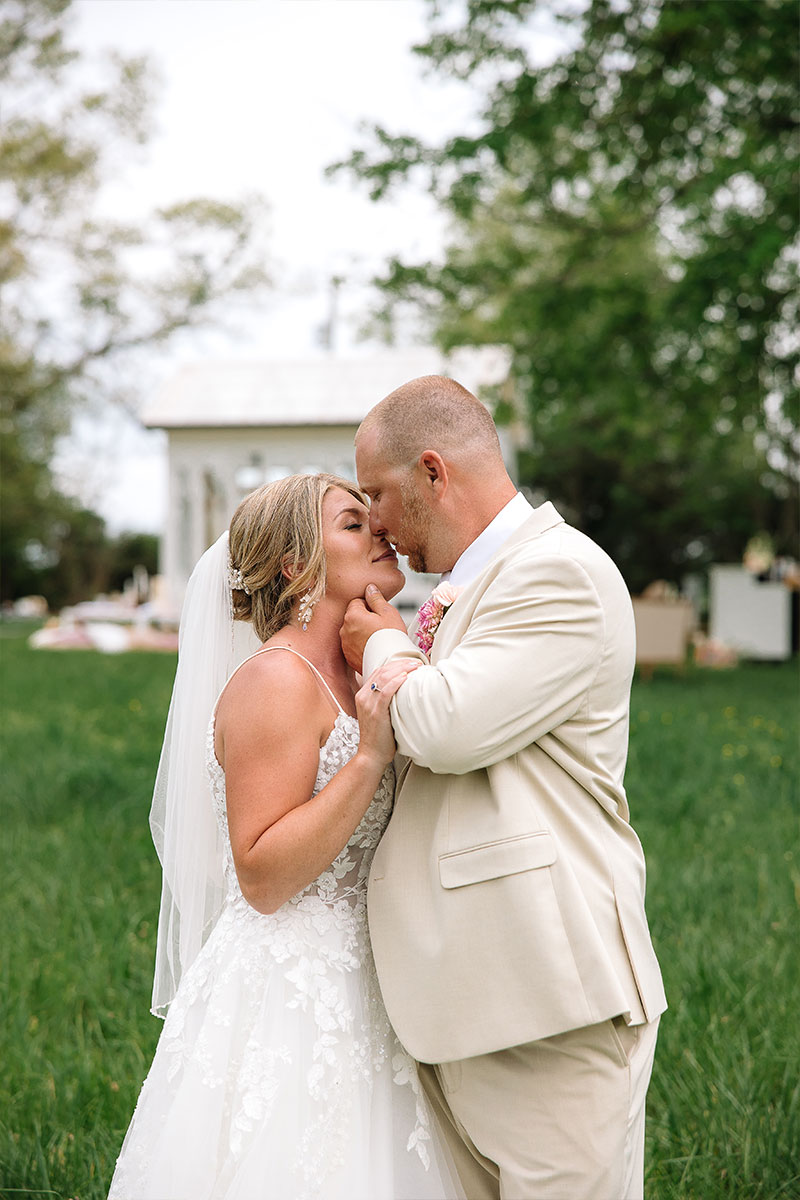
376 526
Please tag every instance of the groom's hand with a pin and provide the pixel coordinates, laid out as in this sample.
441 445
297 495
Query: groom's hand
362 619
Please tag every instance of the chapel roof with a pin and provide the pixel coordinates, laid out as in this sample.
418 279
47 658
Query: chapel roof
322 390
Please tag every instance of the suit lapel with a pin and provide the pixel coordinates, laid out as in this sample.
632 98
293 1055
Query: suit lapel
458 616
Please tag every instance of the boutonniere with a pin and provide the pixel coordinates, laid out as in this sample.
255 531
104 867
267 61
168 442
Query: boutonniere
431 613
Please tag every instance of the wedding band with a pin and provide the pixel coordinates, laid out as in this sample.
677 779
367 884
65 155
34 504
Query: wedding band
373 687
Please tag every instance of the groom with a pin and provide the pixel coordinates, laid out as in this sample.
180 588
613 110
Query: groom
506 899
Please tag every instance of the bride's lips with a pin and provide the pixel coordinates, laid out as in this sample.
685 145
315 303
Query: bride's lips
387 556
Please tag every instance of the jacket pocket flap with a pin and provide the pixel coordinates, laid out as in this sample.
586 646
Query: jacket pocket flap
494 859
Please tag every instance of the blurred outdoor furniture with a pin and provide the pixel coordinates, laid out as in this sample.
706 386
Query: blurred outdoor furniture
664 623
751 615
110 626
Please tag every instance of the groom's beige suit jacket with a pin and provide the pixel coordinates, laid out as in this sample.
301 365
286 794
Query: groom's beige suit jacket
506 898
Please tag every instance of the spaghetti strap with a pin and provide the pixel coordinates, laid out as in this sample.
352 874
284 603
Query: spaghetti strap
266 650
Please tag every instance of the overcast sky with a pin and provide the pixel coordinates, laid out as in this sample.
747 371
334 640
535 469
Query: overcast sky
259 96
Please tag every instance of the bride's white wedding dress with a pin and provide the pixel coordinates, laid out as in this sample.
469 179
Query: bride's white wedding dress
277 1075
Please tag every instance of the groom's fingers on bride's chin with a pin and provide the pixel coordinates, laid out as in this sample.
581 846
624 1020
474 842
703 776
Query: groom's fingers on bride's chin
374 597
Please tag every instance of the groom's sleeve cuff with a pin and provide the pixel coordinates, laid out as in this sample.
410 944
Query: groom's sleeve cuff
387 644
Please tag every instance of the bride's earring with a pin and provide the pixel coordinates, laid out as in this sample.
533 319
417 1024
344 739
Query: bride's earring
306 610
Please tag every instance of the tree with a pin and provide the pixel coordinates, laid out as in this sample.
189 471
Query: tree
623 219
82 293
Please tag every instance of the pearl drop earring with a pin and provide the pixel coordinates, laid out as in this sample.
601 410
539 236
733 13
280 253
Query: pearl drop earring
306 610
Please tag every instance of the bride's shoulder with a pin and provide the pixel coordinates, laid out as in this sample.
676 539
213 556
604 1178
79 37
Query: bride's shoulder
273 679
270 704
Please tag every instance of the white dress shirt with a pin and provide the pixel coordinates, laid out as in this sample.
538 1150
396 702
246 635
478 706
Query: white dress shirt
478 553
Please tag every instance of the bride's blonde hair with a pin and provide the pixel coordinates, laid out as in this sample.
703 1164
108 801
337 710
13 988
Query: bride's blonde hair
276 543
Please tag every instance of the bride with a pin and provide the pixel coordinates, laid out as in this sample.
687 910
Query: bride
277 1074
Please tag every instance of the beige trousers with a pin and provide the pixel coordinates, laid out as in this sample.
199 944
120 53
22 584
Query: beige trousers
557 1119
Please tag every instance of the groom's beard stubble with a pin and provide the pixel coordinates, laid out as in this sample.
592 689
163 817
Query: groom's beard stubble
414 531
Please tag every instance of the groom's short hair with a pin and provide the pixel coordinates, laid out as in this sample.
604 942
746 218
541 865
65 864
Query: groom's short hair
433 412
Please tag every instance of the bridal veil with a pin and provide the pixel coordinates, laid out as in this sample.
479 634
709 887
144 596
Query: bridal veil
182 821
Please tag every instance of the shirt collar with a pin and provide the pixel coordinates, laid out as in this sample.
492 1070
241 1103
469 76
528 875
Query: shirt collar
478 553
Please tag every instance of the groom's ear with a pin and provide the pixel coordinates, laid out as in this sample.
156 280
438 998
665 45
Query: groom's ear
434 471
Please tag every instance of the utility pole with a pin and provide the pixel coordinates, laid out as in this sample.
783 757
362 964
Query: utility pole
327 332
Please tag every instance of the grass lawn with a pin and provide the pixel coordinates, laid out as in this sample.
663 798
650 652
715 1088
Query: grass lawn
713 782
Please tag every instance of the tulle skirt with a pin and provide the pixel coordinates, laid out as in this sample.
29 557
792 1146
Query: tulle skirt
277 1076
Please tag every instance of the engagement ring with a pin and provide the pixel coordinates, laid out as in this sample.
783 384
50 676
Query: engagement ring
373 687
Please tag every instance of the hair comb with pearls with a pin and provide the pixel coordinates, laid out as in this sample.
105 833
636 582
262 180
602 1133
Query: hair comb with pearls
236 579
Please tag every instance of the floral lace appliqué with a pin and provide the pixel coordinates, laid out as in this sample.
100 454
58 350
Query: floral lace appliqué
292 995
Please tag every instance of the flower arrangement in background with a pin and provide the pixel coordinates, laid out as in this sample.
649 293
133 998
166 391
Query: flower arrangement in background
759 554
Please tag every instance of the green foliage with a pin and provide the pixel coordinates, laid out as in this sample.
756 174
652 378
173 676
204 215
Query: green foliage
623 220
81 293
52 546
713 783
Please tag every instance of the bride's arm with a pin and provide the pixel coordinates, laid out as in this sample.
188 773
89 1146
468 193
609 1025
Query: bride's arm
273 720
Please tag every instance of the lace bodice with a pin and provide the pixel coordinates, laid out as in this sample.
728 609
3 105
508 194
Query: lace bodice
277 1067
345 881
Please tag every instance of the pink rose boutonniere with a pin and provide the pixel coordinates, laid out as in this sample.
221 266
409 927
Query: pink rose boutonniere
431 613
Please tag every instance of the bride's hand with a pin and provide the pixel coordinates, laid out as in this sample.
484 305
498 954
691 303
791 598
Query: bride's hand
376 738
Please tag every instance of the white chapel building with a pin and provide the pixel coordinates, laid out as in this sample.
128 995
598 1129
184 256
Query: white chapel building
233 426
